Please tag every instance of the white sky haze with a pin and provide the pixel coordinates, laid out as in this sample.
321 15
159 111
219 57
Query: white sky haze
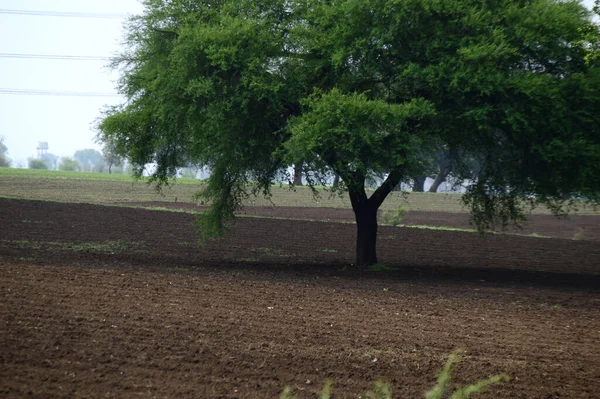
64 122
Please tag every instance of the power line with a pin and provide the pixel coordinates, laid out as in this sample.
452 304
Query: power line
64 14
27 92
55 57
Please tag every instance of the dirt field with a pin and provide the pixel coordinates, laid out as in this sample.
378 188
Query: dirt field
579 227
119 302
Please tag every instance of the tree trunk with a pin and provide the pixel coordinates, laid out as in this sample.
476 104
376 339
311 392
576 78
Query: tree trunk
298 174
110 167
444 167
366 238
419 184
336 180
439 179
365 212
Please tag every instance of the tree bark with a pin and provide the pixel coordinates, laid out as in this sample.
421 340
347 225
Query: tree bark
419 184
439 179
366 238
336 180
444 168
298 174
365 212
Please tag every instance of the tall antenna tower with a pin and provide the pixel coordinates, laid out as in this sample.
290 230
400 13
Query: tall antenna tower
42 148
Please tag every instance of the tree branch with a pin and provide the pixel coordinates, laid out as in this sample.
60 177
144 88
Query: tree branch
356 190
168 32
386 187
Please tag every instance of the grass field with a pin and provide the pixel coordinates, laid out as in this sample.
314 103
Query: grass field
96 188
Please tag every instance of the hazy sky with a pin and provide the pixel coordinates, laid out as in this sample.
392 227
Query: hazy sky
65 122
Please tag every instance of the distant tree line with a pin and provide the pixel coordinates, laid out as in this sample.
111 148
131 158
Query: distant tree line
86 160
4 161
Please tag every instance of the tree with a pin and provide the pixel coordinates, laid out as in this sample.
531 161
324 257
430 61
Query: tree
419 183
50 160
110 153
68 164
89 160
4 161
36 163
360 89
443 164
298 174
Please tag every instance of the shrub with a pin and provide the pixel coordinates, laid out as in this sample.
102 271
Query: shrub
394 218
68 164
35 163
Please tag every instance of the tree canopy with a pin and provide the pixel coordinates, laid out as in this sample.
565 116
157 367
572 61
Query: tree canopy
89 160
363 88
111 155
50 160
36 163
4 161
68 164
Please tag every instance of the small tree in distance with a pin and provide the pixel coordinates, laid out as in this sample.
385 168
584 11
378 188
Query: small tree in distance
68 164
111 155
51 160
90 160
35 163
4 161
360 89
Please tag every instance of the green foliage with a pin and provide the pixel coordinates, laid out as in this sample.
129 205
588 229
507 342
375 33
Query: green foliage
380 267
189 172
35 163
110 153
3 147
68 164
51 160
288 393
364 89
89 160
69 175
327 390
381 390
442 386
441 390
394 218
354 135
4 161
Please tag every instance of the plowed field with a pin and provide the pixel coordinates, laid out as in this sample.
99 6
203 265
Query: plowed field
118 302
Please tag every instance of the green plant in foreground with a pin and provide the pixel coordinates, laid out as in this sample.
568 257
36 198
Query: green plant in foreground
579 234
380 267
443 382
325 393
394 218
383 390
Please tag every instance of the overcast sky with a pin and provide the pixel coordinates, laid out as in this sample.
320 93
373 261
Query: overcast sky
65 122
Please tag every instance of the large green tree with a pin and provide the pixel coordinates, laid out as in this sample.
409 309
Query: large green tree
360 89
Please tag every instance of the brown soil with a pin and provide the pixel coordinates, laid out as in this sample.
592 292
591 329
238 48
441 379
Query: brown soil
116 302
579 227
